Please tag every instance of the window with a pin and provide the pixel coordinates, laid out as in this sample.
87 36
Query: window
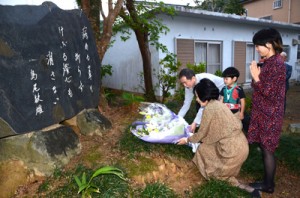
209 53
251 55
267 17
277 4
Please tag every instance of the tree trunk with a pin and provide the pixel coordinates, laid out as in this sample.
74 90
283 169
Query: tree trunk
93 9
143 43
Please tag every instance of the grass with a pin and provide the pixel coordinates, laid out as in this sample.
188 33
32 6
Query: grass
134 145
253 166
110 185
288 152
218 189
157 190
140 165
136 162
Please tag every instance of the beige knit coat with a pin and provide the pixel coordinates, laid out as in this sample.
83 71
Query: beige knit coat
224 147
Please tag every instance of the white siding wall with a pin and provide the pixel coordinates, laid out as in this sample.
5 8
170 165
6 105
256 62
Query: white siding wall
126 59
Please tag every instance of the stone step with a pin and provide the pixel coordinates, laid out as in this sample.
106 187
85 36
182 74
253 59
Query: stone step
294 128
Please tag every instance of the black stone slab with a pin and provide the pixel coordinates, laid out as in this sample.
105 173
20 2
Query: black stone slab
49 67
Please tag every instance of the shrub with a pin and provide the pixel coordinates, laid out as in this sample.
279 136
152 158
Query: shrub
167 75
200 68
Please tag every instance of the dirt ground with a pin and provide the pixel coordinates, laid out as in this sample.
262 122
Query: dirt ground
177 174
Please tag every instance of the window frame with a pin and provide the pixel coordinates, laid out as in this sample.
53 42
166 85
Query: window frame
208 65
277 4
255 56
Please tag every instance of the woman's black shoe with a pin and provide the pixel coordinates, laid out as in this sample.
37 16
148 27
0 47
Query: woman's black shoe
259 185
269 190
255 194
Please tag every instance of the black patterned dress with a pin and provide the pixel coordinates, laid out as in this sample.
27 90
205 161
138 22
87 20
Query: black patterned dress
268 104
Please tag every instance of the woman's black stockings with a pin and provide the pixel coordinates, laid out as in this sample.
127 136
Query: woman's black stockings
269 167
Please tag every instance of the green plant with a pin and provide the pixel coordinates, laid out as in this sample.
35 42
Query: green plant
288 151
138 165
253 165
44 186
200 68
157 190
106 70
167 74
57 173
109 95
248 104
218 73
86 188
218 189
131 98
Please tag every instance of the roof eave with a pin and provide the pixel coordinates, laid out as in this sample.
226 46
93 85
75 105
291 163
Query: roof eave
186 11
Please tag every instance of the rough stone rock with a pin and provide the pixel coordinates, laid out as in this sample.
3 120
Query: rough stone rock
49 67
294 128
13 174
92 122
42 151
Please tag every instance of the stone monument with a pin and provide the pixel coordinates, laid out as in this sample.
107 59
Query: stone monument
49 67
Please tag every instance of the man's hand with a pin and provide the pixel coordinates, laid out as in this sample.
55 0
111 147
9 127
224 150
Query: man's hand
182 141
193 127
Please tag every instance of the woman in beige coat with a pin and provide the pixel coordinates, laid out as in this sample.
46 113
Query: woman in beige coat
224 147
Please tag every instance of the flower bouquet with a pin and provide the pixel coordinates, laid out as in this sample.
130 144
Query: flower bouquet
159 124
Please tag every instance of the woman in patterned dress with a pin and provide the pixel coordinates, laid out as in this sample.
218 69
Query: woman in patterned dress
268 83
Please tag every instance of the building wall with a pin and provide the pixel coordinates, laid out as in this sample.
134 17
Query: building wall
289 12
127 62
239 56
295 14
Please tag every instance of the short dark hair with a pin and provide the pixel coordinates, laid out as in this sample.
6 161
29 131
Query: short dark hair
268 35
231 72
188 73
206 90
